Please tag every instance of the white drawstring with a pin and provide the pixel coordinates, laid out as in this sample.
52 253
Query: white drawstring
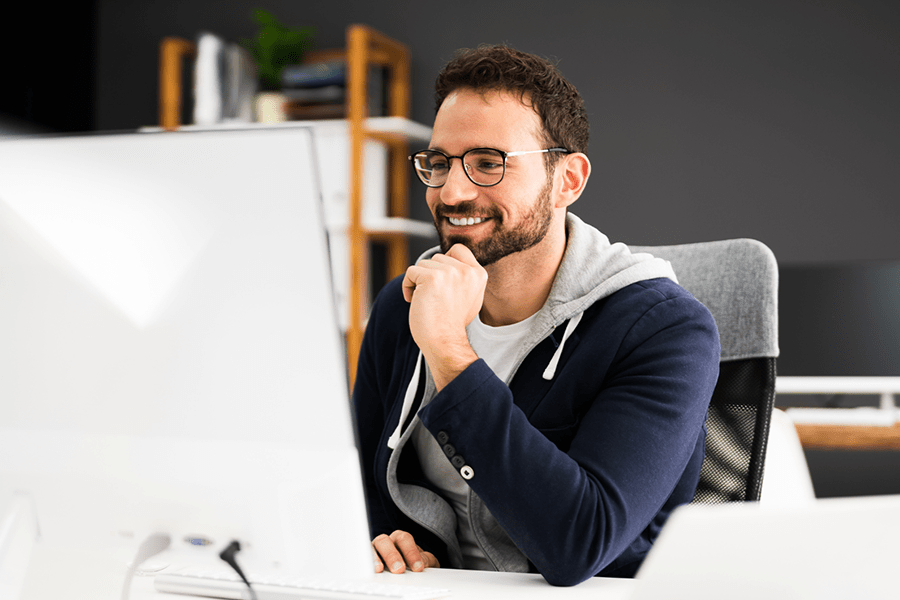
407 403
550 371
412 388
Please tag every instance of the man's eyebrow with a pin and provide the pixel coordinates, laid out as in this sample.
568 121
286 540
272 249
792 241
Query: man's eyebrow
482 146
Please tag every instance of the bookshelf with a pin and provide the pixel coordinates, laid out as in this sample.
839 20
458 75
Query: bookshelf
365 48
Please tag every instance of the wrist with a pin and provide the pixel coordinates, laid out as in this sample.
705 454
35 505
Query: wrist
448 359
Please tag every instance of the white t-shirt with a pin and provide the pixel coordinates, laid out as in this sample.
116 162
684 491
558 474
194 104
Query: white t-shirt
498 347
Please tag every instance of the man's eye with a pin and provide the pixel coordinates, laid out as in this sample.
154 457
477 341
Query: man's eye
439 165
486 162
489 165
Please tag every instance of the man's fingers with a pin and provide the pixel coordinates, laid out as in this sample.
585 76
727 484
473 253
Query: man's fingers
398 552
463 254
390 555
409 286
413 275
431 560
376 561
412 554
417 272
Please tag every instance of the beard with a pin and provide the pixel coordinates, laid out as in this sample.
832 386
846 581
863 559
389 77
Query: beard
506 238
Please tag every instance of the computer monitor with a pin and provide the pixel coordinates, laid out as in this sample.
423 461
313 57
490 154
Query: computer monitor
170 358
828 549
840 319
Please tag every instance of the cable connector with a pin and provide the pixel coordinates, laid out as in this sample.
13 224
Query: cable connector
228 556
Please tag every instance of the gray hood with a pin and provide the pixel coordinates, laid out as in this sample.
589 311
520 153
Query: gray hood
592 268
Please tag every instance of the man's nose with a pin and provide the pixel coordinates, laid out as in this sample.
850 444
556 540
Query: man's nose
458 187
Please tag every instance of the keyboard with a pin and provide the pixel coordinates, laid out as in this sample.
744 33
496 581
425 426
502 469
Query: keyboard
216 583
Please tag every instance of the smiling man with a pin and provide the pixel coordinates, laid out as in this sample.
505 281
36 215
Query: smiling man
529 396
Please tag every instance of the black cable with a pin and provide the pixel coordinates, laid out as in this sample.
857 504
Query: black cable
228 556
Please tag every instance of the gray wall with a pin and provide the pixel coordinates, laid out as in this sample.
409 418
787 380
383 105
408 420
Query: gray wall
767 119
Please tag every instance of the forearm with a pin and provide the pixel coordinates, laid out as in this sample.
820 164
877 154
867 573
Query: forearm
575 484
562 510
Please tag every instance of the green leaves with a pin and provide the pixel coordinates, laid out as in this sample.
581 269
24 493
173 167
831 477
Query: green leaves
275 46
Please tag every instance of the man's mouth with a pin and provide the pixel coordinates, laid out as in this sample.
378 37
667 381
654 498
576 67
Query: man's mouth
463 221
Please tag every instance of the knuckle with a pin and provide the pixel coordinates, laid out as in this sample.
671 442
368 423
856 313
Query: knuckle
401 536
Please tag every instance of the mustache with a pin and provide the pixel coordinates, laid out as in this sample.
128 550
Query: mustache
464 210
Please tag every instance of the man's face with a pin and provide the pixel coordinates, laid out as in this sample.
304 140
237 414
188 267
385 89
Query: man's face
511 216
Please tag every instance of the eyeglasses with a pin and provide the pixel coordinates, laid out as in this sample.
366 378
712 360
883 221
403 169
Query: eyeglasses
483 166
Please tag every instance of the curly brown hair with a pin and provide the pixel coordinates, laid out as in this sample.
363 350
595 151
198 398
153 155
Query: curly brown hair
536 80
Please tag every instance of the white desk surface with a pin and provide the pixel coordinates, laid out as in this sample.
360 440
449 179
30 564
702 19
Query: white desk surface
837 385
471 585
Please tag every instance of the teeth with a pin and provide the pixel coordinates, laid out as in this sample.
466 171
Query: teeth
461 222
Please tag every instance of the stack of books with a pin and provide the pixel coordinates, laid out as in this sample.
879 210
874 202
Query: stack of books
315 90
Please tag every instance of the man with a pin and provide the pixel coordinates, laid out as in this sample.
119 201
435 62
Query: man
529 397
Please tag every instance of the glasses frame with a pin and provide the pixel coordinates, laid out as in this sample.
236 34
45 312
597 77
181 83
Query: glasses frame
461 157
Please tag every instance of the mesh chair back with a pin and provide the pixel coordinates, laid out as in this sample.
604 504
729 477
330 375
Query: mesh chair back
737 280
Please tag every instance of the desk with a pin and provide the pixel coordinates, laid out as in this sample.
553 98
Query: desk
849 437
846 428
471 585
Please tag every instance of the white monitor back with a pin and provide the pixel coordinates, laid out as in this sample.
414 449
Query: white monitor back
169 353
829 549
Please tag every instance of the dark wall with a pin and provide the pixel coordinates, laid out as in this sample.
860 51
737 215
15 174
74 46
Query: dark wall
839 473
47 82
768 119
840 319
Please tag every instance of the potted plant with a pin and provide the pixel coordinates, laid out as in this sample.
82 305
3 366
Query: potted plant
274 47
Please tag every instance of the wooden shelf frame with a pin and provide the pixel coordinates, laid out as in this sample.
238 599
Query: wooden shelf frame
365 48
173 51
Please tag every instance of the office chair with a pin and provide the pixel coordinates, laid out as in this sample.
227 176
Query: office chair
788 481
737 280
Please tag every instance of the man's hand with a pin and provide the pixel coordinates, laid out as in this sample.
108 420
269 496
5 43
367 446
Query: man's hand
445 293
399 551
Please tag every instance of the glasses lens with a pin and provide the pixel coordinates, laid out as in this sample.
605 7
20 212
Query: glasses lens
484 166
431 167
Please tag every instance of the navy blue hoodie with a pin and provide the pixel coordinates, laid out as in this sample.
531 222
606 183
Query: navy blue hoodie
575 463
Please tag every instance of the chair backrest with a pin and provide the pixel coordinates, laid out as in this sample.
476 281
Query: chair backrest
737 280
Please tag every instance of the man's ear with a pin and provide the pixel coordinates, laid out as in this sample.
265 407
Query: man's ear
574 170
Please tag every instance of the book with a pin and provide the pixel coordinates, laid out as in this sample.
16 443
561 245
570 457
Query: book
224 81
328 93
299 112
314 75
